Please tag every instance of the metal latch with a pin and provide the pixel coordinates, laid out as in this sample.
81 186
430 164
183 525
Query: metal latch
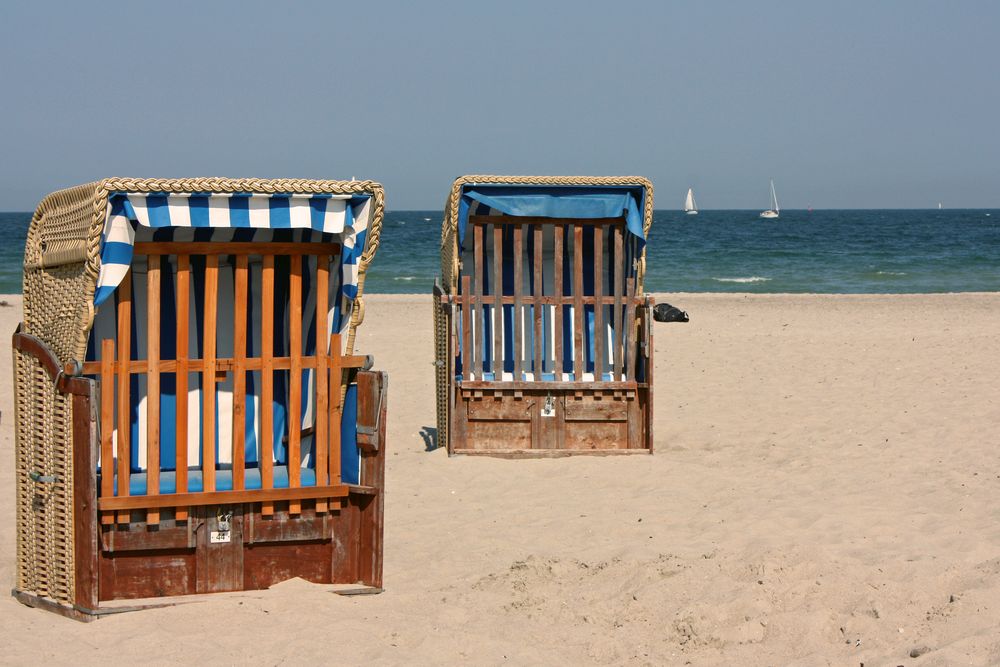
223 523
42 479
549 408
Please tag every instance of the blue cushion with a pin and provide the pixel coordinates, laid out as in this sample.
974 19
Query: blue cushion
223 480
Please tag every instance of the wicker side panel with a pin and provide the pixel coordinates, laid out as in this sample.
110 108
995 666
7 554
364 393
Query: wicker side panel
442 369
43 427
449 250
58 304
63 219
58 289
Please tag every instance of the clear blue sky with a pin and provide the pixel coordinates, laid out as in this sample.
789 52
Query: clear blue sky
845 104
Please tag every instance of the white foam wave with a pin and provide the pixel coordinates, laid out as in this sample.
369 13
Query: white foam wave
890 273
750 279
405 278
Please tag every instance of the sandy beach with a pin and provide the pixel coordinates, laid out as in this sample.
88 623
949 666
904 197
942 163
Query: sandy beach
823 492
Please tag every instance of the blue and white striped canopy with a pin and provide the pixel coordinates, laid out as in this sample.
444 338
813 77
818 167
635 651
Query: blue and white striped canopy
232 217
567 201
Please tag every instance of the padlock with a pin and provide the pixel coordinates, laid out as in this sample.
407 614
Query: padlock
223 525
549 408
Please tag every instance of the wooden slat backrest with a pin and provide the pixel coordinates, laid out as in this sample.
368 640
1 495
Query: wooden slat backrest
293 455
208 377
599 303
579 359
153 381
537 294
616 315
183 353
267 379
518 290
335 407
467 351
628 332
124 388
328 366
612 303
322 432
480 270
558 294
239 371
107 422
497 290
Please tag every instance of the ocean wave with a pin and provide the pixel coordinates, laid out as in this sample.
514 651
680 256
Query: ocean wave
751 279
890 273
405 278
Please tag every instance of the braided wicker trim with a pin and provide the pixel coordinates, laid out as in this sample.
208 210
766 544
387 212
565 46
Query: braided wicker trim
449 228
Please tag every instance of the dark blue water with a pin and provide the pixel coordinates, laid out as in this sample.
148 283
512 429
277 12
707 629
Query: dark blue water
13 231
846 251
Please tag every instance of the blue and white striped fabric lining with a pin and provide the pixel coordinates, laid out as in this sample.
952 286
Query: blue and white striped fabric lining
344 216
550 370
135 218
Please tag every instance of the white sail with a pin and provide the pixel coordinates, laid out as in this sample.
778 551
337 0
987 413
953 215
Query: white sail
774 210
689 205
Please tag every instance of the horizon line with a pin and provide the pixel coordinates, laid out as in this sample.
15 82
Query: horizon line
700 210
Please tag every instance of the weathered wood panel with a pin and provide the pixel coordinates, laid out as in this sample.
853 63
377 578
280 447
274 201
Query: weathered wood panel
85 524
147 574
220 565
502 410
267 564
499 434
588 409
596 435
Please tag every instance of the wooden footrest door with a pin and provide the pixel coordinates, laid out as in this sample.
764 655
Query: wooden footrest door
537 419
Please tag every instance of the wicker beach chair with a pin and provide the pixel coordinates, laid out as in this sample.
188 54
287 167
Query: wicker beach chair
190 414
543 341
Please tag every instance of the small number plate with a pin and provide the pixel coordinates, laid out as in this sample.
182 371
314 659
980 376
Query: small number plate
219 536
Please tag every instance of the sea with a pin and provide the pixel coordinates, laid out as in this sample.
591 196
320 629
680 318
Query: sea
820 251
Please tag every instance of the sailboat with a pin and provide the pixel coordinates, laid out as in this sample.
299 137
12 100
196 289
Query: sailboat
690 207
774 210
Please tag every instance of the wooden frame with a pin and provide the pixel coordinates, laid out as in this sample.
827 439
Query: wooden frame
496 408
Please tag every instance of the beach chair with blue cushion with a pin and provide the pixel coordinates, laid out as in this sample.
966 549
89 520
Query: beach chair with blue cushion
543 338
191 415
